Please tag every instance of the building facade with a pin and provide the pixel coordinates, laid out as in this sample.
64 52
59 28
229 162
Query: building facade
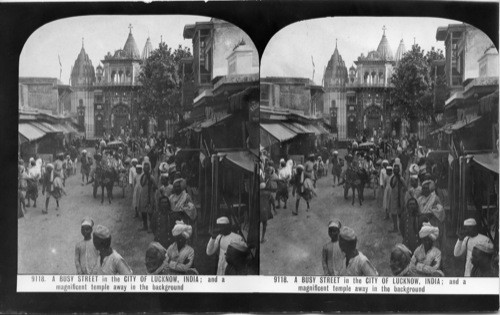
358 99
44 94
105 98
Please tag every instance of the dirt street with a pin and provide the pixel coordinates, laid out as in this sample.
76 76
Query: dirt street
47 242
294 243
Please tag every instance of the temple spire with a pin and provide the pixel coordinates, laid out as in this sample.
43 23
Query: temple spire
383 29
83 42
130 27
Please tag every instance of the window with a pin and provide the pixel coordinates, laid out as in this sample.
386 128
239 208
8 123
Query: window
264 92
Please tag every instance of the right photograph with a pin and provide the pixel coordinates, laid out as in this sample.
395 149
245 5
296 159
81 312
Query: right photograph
379 149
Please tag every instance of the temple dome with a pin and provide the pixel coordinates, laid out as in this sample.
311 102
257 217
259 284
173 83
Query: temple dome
130 47
148 49
400 51
384 50
83 72
336 70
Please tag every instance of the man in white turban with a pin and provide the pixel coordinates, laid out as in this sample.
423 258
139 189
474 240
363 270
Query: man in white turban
468 238
180 255
222 236
426 259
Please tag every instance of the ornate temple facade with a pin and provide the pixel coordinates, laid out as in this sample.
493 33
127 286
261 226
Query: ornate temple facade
106 96
358 99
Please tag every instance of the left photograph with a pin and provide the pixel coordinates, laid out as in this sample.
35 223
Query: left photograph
138 147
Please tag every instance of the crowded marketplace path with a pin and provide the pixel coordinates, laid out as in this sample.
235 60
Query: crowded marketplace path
47 242
294 244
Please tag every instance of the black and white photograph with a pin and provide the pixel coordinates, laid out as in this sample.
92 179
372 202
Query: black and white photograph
250 156
138 147
379 149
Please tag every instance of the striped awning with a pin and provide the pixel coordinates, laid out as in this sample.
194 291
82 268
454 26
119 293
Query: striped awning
278 131
46 127
67 129
30 132
296 127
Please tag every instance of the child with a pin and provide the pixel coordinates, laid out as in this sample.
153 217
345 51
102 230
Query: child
85 253
333 257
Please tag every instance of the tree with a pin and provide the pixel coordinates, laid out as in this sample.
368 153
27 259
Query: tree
412 96
161 79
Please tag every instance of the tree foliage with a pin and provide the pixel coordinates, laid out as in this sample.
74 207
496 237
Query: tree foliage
161 79
412 96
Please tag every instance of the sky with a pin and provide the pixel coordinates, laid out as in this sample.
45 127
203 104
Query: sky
39 57
289 52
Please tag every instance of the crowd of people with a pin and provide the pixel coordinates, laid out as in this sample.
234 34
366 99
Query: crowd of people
410 189
156 179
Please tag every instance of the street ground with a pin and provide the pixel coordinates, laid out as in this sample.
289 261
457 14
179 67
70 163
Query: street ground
46 243
294 243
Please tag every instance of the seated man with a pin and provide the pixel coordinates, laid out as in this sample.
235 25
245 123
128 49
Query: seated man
180 256
400 262
427 258
155 259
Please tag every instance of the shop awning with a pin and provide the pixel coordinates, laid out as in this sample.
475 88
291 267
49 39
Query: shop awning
278 131
211 122
463 123
441 129
46 127
488 161
322 130
313 129
297 128
65 128
242 159
30 132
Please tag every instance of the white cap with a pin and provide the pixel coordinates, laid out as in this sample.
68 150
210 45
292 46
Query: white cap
334 223
222 220
470 222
